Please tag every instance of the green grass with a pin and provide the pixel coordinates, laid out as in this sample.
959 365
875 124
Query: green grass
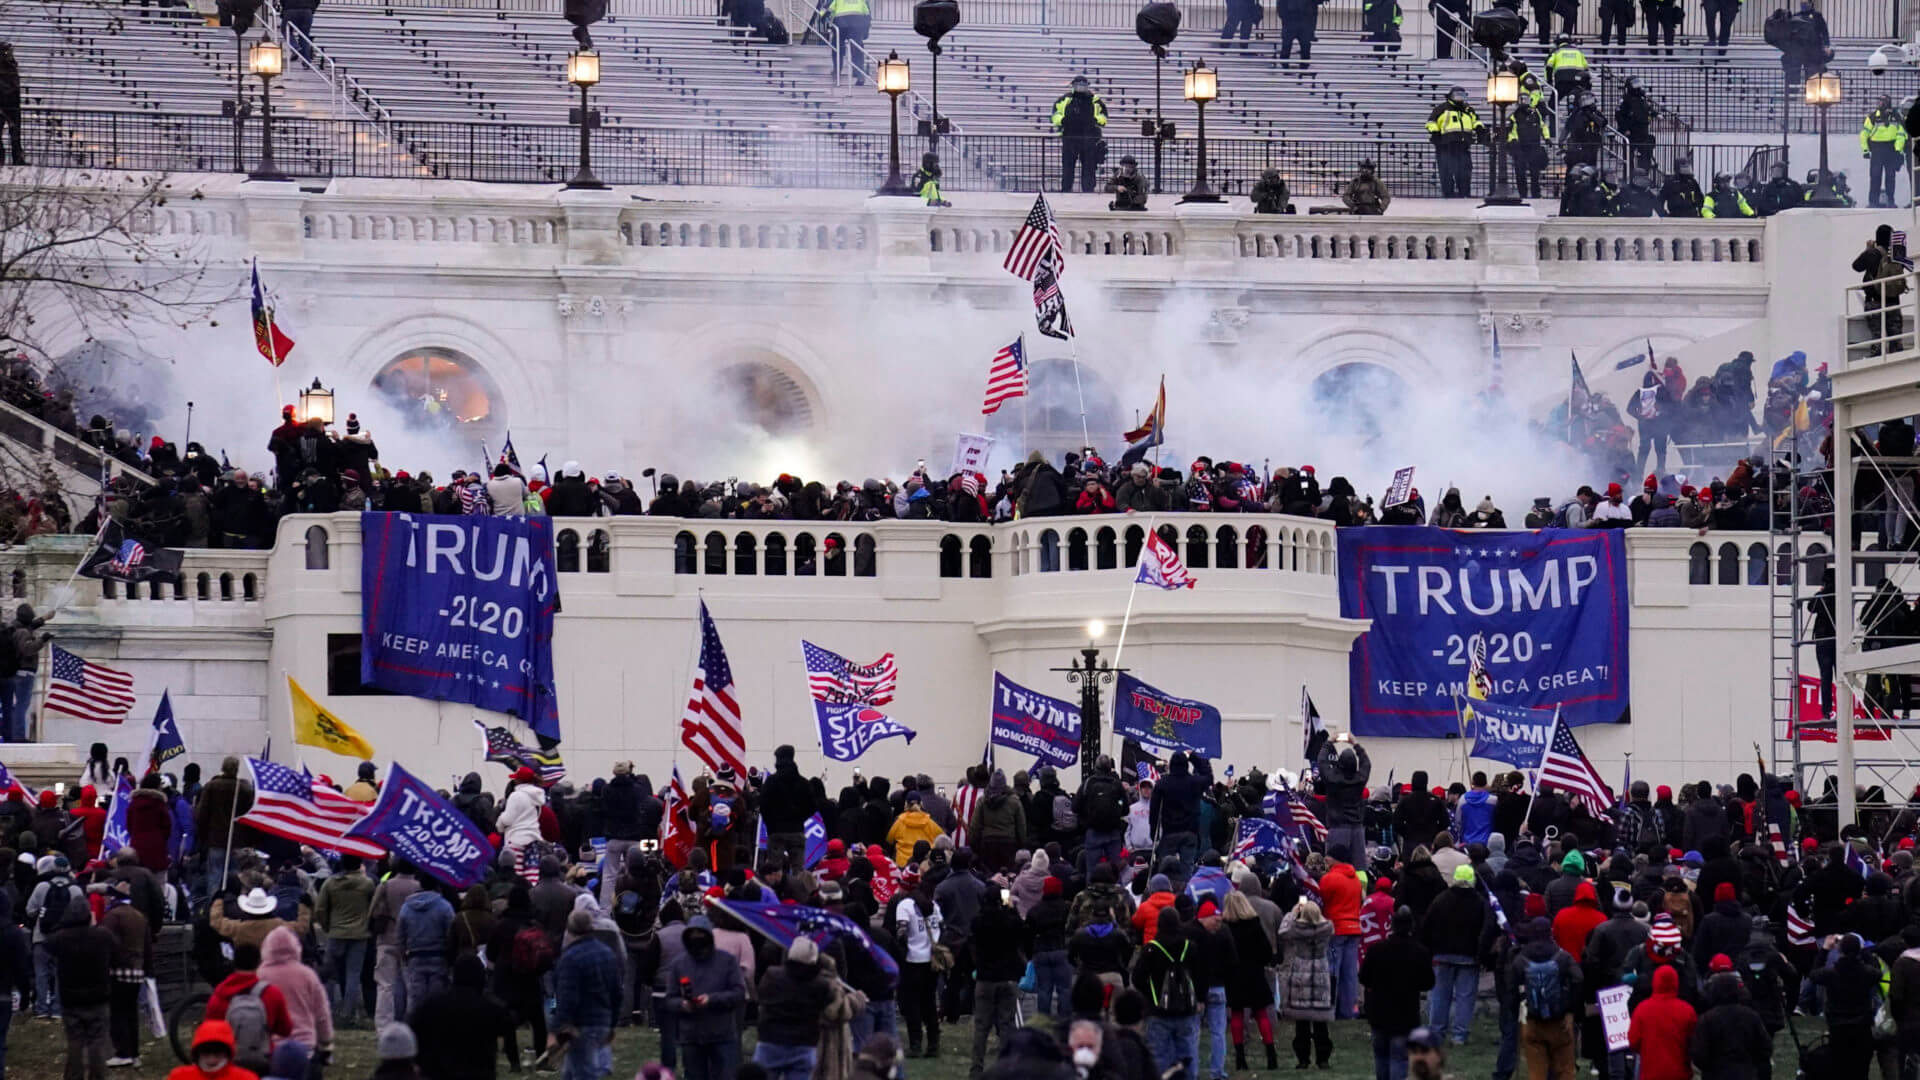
36 1050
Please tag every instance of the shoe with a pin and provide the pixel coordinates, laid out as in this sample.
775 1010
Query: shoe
1240 1057
119 1062
1273 1058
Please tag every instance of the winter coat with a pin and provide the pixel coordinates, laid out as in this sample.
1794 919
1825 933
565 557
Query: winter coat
1306 984
424 921
1100 949
792 998
1176 799
1146 918
1723 931
1340 898
1662 1030
149 826
586 986
459 1029
1573 925
1247 986
519 820
476 803
1454 922
1344 772
1394 974
908 829
220 800
998 817
1729 1042
1028 883
306 997
786 801
342 909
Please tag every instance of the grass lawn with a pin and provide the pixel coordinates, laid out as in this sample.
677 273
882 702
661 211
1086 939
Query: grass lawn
37 1050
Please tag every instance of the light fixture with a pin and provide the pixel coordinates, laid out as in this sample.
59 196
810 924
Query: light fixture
1823 92
1823 89
893 78
267 60
1095 629
1503 88
1201 85
583 71
316 403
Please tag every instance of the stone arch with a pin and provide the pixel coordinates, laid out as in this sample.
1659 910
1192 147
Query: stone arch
316 547
772 360
452 335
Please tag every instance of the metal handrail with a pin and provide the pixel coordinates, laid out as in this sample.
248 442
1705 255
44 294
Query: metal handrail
345 87
866 59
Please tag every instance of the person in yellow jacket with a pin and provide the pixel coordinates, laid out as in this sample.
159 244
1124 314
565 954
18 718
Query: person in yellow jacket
1567 68
1725 201
1079 116
851 21
1883 142
1453 129
912 826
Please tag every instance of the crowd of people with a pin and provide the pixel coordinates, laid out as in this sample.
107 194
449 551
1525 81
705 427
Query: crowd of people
1125 912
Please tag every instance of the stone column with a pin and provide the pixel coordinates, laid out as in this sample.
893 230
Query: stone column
275 226
900 240
593 226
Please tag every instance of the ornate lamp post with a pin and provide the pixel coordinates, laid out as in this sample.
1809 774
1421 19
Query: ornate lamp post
267 60
1088 672
1201 86
894 78
1503 90
1823 93
583 71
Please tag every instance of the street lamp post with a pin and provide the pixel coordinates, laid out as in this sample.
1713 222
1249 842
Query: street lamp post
267 60
933 20
1823 93
894 78
1202 85
583 71
1503 90
1088 672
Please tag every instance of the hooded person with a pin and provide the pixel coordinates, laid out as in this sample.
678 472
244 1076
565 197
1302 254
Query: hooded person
398 1052
1175 810
705 989
999 825
461 1029
308 1011
793 996
519 820
211 1055
1729 1041
913 826
1661 1031
1576 922
1344 769
254 1046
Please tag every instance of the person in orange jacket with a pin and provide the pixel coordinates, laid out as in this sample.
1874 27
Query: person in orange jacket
1340 891
212 1056
1146 918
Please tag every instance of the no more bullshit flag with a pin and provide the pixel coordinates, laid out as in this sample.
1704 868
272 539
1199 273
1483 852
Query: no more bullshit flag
1046 727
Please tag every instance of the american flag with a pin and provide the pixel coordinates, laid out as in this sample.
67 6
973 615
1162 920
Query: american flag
10 784
1479 683
1799 927
1565 767
712 727
1036 244
1897 247
131 554
295 806
473 496
528 865
503 749
1291 811
1160 565
1777 843
1007 376
965 798
1049 307
834 679
88 690
1259 836
1147 771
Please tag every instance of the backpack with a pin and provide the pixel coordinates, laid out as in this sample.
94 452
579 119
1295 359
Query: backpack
1063 819
252 1042
55 908
1543 989
1174 995
1775 30
532 951
1106 805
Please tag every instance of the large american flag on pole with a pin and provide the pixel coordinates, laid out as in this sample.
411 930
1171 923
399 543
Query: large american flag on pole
1567 768
834 679
1036 244
712 726
1007 376
88 690
296 806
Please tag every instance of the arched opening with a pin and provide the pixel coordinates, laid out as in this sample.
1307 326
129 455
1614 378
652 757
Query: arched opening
805 555
1226 553
438 389
1136 539
316 547
599 551
836 555
980 557
716 563
1049 551
203 587
248 585
949 556
865 563
1197 540
685 556
1756 564
19 584
226 586
1077 549
746 554
1699 565
1816 564
1359 398
1106 549
761 396
566 551
1256 548
776 555
1729 565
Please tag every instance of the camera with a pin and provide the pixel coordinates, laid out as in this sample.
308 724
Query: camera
1497 28
1157 24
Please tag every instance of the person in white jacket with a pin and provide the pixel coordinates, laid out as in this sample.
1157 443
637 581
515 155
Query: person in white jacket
1139 822
519 820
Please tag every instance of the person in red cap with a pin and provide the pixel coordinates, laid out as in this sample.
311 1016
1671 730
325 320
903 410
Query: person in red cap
1725 929
1668 817
1612 512
1661 1029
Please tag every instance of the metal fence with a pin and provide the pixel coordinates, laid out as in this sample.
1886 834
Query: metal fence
1860 19
547 154
1747 97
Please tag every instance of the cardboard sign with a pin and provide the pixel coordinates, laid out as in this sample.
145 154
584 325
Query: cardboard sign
1614 1017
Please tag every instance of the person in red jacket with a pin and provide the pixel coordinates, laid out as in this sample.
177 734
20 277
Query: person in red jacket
212 1056
1577 920
1376 916
1662 1028
1340 902
93 818
1146 918
150 824
246 961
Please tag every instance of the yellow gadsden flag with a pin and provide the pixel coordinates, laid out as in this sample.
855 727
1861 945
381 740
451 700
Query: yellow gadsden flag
315 726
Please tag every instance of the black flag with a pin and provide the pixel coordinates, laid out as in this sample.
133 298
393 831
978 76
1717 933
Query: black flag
1049 307
118 558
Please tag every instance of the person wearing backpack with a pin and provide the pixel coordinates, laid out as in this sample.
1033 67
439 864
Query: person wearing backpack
1164 972
83 954
518 960
389 960
1548 984
340 915
255 1010
1394 973
46 906
1101 807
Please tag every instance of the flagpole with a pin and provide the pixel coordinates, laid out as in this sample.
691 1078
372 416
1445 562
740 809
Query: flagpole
1133 590
1073 347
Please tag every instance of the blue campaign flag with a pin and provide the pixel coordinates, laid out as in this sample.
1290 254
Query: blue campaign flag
1551 606
816 836
1154 717
848 729
1046 727
782 923
165 744
115 835
1509 733
414 823
1259 836
760 839
460 608
1209 879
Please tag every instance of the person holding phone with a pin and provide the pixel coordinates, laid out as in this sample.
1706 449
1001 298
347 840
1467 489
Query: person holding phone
997 972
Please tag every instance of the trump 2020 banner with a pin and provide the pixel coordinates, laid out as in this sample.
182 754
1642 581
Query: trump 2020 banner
428 831
460 608
1507 733
1551 607
1153 717
1036 724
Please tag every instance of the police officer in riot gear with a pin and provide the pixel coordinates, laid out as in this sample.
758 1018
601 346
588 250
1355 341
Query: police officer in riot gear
1079 116
1453 129
1681 196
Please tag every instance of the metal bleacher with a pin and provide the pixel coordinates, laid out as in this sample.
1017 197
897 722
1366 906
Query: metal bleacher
456 89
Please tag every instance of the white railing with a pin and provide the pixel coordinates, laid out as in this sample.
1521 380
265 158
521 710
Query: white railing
344 90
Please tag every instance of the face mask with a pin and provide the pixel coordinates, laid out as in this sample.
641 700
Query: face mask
1085 1056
